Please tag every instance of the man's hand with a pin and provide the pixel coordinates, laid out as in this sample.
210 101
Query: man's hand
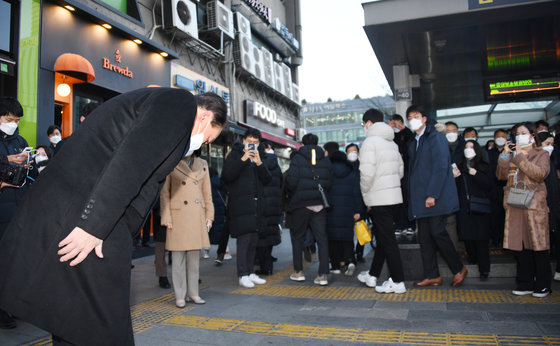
246 156
430 202
472 171
18 158
169 226
77 245
256 157
3 185
208 224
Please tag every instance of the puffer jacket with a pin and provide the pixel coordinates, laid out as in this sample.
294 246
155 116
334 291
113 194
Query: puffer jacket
381 167
300 182
272 203
345 198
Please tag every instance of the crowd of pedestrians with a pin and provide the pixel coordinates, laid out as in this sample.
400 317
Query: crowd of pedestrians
421 178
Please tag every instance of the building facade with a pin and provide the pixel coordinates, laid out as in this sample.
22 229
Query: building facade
341 121
59 55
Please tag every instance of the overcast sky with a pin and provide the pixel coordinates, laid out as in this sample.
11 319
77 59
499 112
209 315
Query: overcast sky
338 61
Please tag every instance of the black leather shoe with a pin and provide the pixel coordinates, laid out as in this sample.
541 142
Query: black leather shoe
163 282
263 272
6 321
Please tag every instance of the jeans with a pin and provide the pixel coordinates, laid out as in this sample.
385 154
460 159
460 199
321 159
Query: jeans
246 250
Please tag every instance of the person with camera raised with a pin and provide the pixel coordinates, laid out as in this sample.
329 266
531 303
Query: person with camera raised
11 153
244 176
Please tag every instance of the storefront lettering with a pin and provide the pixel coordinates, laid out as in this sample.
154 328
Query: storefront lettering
108 66
199 86
263 11
267 114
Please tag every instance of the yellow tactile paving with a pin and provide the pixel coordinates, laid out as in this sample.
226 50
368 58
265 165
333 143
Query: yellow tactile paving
354 334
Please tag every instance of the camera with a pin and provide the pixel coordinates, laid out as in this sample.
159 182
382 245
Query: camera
13 174
512 146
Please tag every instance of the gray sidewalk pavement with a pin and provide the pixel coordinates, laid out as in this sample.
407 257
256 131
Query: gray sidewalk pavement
284 312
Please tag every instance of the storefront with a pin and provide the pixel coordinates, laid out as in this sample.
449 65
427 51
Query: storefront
9 23
83 59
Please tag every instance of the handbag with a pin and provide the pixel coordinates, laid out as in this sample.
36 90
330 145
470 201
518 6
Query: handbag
324 198
477 205
520 197
362 232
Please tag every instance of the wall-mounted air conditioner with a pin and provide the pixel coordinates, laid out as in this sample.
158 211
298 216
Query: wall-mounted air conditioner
295 93
268 67
258 62
243 24
180 14
243 53
287 80
220 17
278 78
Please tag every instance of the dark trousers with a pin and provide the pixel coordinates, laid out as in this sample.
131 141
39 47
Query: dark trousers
433 237
479 252
533 270
341 251
224 238
302 219
264 255
246 250
555 235
387 248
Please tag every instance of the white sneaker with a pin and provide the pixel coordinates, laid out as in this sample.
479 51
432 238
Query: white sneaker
227 256
350 270
206 254
298 276
335 271
370 281
391 287
256 279
556 276
246 282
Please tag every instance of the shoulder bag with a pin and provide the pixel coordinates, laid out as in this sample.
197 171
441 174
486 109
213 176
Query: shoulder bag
477 205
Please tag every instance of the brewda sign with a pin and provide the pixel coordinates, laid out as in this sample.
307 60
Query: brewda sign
117 69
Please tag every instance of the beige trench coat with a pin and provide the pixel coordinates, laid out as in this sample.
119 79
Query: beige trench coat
527 227
186 203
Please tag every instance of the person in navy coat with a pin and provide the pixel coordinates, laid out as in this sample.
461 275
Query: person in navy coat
433 196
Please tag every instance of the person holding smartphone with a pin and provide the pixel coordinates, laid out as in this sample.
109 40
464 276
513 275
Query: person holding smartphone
244 177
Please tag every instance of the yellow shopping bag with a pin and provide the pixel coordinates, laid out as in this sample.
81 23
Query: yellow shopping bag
362 232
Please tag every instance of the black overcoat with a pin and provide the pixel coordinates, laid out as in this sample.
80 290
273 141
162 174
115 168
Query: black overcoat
105 180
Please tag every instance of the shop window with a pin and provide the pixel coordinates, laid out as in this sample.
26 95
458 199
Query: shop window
127 8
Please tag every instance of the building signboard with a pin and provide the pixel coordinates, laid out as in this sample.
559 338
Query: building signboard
478 4
196 83
268 119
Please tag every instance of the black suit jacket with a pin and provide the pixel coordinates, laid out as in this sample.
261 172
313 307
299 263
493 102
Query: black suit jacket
105 180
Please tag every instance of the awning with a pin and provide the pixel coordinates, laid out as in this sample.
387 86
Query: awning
274 138
76 66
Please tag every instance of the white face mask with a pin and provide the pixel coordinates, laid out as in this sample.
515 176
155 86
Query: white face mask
55 139
452 137
470 139
40 158
397 130
469 153
352 156
270 151
196 141
415 124
8 128
523 140
549 148
500 141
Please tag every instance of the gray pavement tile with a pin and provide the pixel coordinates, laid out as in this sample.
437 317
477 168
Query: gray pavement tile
493 327
507 316
410 305
550 328
172 335
285 341
503 307
542 308
333 303
351 312
390 314
328 321
414 315
407 325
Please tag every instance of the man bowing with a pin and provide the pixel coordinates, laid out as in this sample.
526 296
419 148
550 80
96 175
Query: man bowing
95 196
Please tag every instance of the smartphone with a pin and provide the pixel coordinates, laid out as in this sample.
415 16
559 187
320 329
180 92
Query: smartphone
250 146
27 150
512 146
454 167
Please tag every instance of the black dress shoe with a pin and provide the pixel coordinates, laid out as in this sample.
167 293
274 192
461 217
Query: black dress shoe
484 276
163 282
274 259
6 321
263 272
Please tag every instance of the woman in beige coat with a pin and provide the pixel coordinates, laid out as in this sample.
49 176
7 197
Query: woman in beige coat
526 230
187 212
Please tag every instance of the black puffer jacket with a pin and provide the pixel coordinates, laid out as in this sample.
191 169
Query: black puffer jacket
299 182
272 203
345 197
244 181
218 199
10 196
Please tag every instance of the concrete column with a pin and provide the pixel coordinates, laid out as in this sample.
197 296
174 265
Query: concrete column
401 82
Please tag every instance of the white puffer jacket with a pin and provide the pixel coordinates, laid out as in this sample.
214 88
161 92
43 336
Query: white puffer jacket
381 167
